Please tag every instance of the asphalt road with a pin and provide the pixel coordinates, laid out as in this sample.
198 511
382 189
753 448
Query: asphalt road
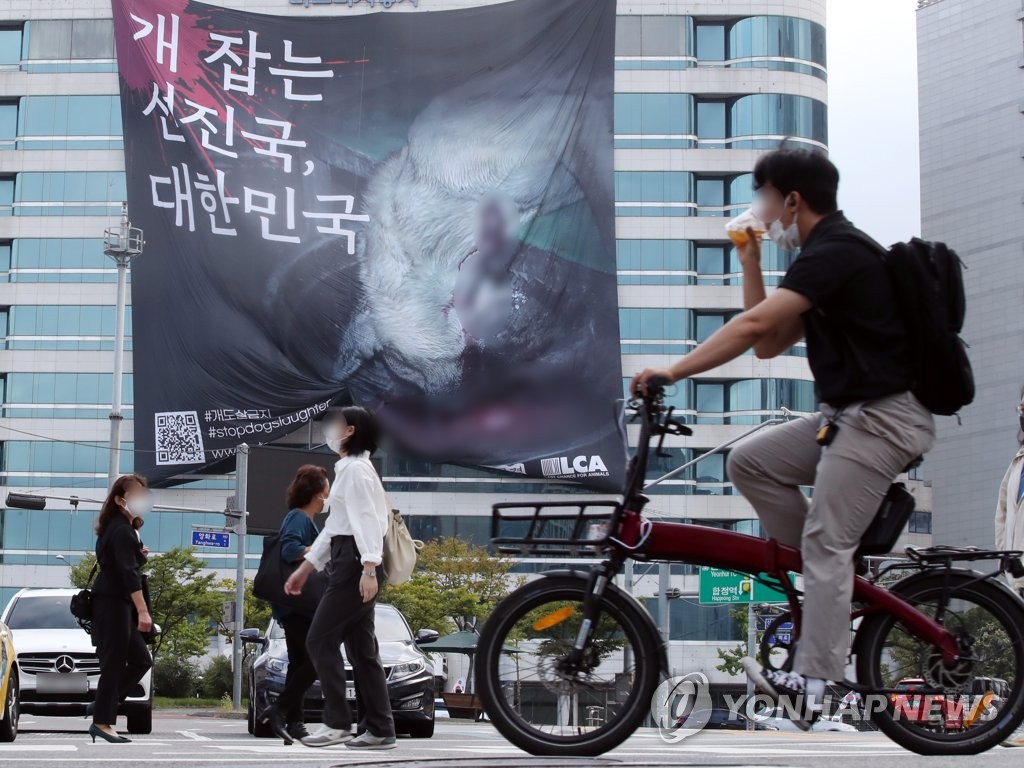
182 740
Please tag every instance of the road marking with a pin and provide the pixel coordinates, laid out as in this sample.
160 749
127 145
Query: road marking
193 736
39 748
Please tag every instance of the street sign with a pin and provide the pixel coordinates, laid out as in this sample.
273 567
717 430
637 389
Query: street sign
783 634
718 586
203 538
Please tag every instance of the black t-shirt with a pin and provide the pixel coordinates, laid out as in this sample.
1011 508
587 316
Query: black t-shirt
857 343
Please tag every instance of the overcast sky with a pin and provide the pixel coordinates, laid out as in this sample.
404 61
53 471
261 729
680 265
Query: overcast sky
872 101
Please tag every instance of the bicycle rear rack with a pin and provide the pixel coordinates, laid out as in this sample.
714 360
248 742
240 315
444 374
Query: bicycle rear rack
552 528
945 556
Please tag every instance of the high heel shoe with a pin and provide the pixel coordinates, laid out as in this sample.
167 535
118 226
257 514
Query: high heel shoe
95 730
274 718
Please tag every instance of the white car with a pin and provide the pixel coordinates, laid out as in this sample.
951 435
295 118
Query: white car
777 718
57 664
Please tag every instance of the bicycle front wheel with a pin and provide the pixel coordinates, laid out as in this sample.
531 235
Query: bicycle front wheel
948 709
545 709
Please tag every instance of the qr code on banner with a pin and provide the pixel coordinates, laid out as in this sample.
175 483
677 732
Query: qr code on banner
179 438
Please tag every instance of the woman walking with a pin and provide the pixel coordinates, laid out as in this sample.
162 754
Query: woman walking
307 496
352 541
120 614
1010 524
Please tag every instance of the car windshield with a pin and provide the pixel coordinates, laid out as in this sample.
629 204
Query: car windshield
42 612
389 626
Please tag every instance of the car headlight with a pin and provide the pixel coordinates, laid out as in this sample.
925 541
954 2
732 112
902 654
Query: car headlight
407 669
277 665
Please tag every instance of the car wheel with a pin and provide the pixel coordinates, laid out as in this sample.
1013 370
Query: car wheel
251 719
9 723
140 721
422 730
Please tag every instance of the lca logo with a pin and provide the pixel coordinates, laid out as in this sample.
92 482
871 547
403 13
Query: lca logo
579 465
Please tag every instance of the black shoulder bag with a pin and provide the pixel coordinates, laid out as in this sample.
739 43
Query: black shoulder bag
81 603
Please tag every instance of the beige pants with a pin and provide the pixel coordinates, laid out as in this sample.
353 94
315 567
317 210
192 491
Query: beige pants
875 442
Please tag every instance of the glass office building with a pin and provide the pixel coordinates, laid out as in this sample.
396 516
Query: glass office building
702 89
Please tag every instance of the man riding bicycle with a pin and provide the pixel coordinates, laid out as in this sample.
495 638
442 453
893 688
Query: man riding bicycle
837 295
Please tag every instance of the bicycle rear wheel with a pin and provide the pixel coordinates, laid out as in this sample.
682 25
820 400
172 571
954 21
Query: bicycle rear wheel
539 707
940 709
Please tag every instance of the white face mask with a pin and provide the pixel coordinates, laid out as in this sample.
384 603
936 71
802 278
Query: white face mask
332 436
140 506
787 238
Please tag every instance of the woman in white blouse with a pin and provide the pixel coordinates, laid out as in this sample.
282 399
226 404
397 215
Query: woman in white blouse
1010 507
352 541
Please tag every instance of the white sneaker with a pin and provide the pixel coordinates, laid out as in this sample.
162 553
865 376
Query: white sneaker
327 737
369 741
1015 739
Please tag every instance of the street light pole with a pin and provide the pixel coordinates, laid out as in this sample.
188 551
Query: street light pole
122 244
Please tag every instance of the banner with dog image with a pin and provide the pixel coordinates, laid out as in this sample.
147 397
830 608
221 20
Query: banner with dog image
411 210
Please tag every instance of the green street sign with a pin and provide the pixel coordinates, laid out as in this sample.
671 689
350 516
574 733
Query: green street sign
718 586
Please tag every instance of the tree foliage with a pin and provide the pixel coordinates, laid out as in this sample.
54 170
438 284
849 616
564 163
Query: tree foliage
456 586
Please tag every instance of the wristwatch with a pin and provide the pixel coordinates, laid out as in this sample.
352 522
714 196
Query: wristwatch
372 574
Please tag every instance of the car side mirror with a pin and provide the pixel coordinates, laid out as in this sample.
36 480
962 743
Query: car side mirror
251 636
426 636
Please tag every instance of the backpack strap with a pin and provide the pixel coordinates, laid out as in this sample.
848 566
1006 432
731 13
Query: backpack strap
92 573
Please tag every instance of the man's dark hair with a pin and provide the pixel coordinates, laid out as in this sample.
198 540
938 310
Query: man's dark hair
800 170
367 434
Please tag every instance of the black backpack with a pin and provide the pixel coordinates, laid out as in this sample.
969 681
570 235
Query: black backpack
929 286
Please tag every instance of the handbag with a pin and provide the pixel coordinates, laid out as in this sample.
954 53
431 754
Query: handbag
274 572
81 603
400 550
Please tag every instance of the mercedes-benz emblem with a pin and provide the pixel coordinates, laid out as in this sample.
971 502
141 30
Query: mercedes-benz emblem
64 664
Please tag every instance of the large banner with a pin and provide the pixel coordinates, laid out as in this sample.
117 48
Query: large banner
413 209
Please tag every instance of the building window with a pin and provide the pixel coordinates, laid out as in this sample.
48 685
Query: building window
10 46
775 116
655 324
654 193
777 36
59 117
670 36
92 193
920 521
64 388
653 120
709 322
8 124
6 195
655 262
711 120
716 263
60 260
71 39
723 195
710 42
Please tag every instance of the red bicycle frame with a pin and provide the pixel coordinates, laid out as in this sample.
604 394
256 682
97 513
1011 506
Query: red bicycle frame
643 539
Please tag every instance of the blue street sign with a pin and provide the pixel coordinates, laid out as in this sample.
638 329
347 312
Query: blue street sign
211 539
783 634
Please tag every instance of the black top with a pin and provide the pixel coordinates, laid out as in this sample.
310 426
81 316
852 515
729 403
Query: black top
119 553
857 343
297 533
